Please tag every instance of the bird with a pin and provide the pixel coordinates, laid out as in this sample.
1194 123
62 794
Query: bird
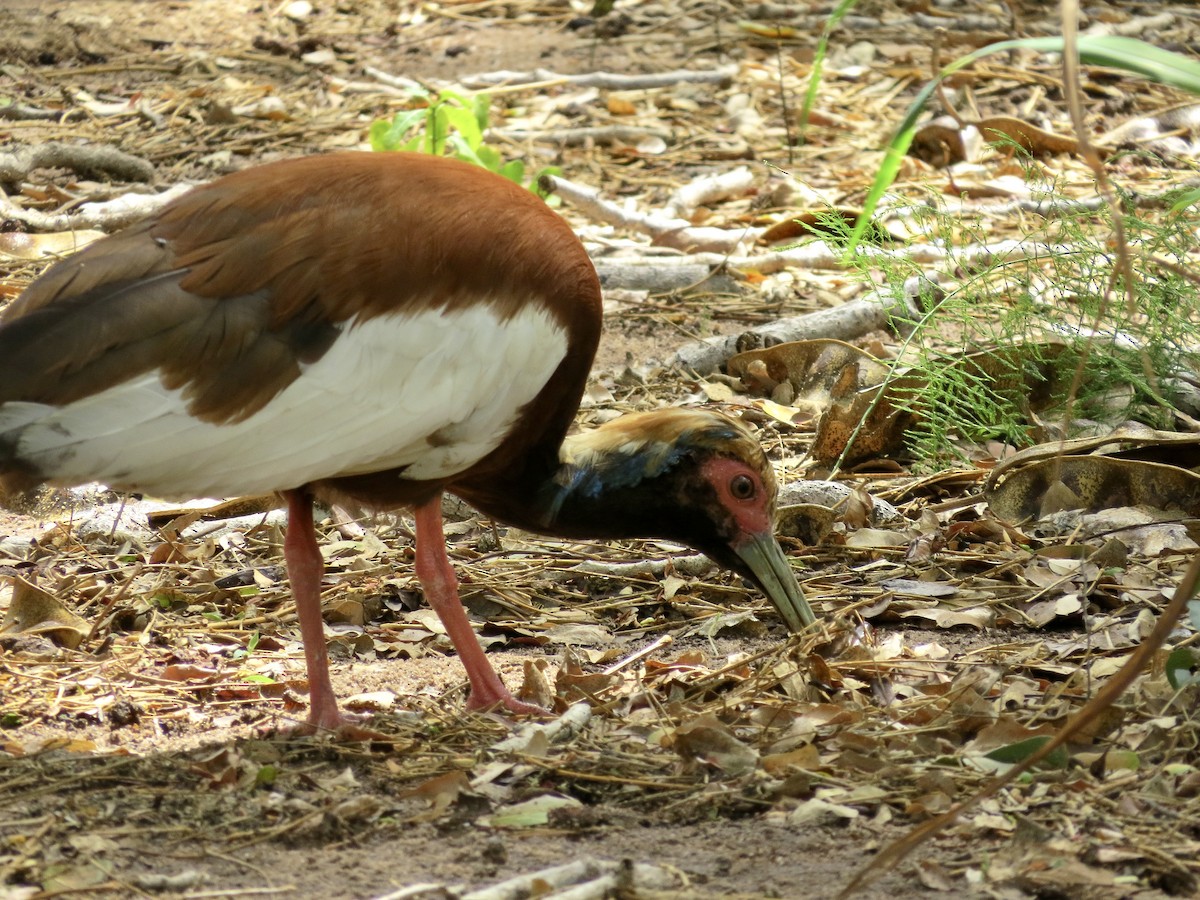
375 329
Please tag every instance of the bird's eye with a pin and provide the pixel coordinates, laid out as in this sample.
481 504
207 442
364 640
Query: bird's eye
742 487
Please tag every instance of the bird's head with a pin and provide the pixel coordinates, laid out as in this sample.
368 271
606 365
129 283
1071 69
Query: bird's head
692 476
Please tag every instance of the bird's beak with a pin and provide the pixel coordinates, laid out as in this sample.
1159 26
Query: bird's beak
764 557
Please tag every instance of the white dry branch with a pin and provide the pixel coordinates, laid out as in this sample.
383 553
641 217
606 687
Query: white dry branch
845 322
583 879
394 81
609 81
692 565
603 135
645 274
709 189
715 246
665 230
344 86
108 215
820 255
1136 25
566 726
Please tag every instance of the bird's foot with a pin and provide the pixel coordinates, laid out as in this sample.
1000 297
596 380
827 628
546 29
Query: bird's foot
340 726
346 733
502 699
350 732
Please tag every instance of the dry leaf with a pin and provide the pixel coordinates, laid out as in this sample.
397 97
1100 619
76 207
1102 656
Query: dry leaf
707 740
34 611
1039 488
39 246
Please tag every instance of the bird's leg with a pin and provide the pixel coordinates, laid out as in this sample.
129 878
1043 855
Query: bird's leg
441 590
305 568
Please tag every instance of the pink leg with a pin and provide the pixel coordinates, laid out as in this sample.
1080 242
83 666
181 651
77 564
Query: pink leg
441 590
305 568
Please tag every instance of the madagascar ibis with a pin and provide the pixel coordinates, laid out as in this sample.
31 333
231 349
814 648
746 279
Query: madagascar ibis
374 328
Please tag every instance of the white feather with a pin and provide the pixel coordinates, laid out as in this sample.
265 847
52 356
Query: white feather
372 402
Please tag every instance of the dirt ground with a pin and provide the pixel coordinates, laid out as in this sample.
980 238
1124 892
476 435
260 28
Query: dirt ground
144 763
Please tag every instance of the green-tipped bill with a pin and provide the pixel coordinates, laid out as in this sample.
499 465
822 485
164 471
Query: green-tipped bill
765 559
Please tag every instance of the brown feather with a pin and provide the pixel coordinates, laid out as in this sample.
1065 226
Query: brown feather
230 288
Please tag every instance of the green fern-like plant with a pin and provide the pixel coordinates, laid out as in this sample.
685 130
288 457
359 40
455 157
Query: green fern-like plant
1120 358
1063 348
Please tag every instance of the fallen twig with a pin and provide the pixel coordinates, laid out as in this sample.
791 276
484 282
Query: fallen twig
580 880
845 322
87 160
709 189
16 112
644 274
609 81
820 255
568 724
666 232
394 81
109 215
692 566
604 135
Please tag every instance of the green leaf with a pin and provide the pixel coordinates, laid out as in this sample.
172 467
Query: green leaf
456 123
514 170
436 129
489 158
481 105
258 679
529 813
1189 198
1021 750
1182 665
1115 760
378 134
386 135
463 121
266 775
464 151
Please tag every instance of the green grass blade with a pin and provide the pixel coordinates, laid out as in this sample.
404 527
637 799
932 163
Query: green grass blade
814 78
1112 51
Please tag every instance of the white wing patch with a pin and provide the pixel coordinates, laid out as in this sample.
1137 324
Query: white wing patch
434 391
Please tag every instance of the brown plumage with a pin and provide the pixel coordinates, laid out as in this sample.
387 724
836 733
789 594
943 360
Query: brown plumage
382 328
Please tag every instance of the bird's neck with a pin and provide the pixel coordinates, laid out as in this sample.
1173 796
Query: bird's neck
617 481
589 500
